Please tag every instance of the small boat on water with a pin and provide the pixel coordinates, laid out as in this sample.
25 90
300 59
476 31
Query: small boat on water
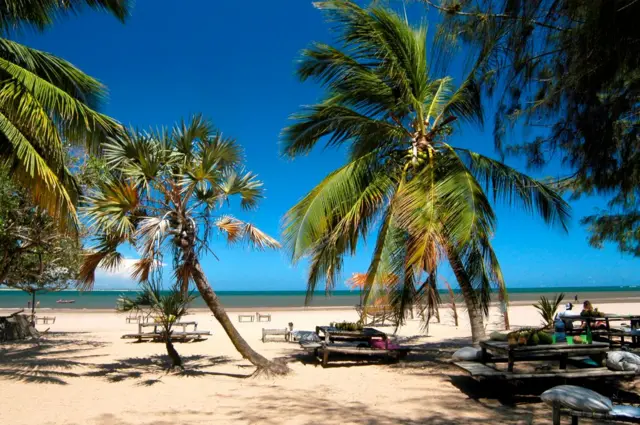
66 301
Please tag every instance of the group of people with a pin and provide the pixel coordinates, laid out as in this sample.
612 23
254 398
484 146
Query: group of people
587 308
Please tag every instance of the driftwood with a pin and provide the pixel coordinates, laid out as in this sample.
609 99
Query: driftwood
17 326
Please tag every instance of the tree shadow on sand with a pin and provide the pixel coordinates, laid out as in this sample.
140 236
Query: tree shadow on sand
150 370
49 360
316 409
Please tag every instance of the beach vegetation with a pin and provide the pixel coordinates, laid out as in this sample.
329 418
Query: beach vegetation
36 255
567 70
547 308
165 308
165 196
427 200
47 103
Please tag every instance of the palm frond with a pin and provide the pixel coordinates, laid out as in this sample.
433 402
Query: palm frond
515 188
40 14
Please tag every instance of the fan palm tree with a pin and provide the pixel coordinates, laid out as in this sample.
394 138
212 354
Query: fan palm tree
427 200
167 309
166 189
46 102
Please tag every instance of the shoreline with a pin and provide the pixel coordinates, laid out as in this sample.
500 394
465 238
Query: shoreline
240 309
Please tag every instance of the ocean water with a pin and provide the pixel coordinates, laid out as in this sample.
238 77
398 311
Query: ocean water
104 299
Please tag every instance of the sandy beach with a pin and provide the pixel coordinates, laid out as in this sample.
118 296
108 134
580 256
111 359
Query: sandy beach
82 372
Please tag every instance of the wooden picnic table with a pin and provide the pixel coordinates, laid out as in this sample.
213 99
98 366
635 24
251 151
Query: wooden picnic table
156 325
560 350
607 330
330 334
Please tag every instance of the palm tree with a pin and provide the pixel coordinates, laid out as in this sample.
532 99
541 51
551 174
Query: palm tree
167 309
163 197
46 102
548 307
427 200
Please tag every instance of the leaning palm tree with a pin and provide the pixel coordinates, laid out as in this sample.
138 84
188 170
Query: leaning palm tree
46 102
427 200
167 309
164 195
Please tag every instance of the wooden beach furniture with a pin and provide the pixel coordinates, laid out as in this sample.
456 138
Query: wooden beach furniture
377 315
606 331
352 343
156 333
246 318
500 352
263 317
46 319
283 332
619 414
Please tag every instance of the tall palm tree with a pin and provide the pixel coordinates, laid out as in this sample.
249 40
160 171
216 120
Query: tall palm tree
46 102
164 196
427 200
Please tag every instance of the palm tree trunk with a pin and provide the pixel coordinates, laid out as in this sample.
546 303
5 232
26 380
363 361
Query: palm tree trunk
176 360
220 314
476 315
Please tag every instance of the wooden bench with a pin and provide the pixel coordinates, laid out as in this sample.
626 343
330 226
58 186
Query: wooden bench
260 316
46 319
576 415
175 336
321 351
479 370
285 332
250 318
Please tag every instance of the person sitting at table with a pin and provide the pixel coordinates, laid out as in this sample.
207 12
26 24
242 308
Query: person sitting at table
589 311
566 315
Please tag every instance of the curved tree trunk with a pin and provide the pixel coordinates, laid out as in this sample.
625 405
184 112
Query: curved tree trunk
476 315
176 360
220 314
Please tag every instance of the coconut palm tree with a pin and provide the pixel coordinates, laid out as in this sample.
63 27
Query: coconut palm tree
427 200
167 309
46 102
164 197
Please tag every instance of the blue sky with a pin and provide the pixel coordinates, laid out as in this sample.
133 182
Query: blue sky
234 62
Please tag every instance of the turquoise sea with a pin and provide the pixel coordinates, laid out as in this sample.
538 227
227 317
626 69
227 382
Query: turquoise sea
106 299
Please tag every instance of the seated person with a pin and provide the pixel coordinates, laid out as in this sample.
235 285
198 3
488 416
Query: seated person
567 314
589 311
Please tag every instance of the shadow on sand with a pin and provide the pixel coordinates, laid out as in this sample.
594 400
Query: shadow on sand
49 360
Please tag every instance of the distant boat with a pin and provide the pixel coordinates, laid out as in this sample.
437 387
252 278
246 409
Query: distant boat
66 301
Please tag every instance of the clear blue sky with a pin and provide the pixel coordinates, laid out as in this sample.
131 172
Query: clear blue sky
234 62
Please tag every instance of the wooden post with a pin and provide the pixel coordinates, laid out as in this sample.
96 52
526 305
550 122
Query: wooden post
511 360
325 356
484 355
556 414
563 361
574 420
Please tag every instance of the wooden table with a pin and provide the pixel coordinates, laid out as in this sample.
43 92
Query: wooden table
560 350
606 331
330 334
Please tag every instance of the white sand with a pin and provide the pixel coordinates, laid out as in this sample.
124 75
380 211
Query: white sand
83 373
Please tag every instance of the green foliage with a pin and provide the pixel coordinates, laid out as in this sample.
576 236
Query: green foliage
548 307
36 256
347 326
166 307
571 69
45 100
162 195
426 199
